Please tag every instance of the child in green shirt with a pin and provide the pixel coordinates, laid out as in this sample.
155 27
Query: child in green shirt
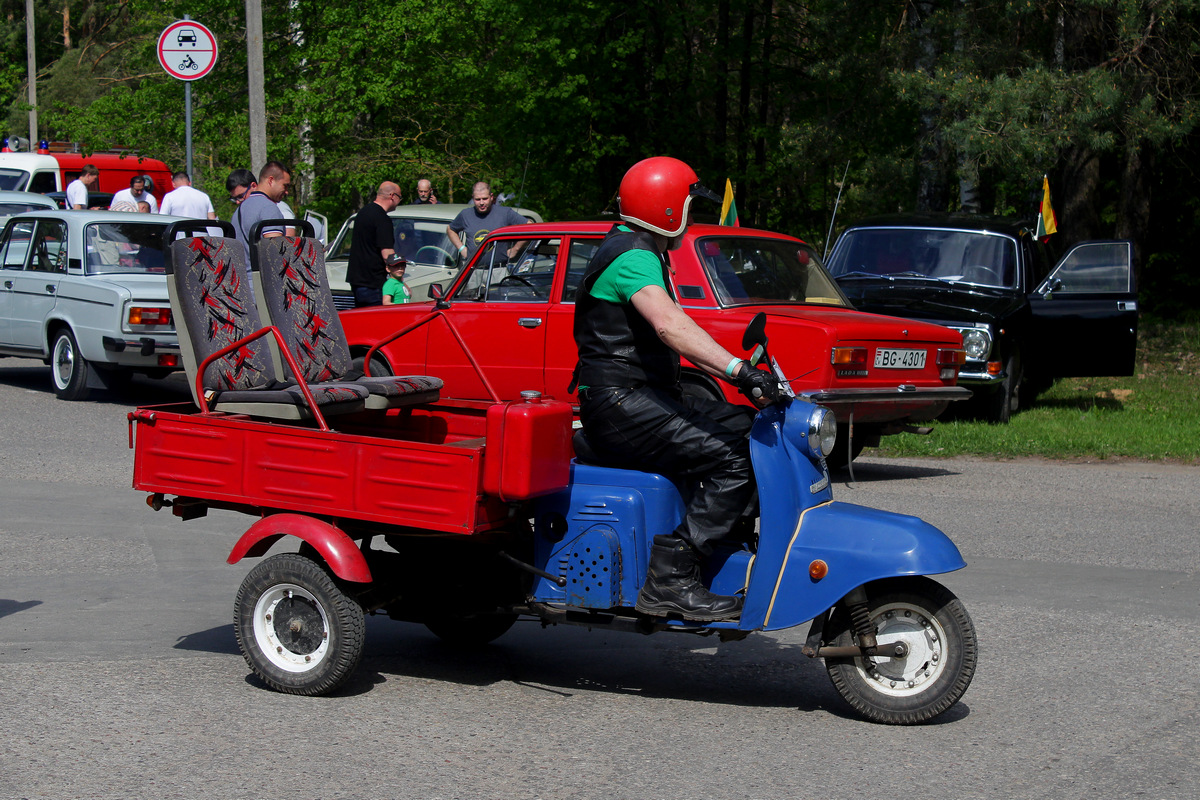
394 290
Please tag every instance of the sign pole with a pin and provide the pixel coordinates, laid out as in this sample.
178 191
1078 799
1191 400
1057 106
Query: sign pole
187 118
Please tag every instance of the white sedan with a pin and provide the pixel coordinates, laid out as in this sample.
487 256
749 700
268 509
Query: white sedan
86 292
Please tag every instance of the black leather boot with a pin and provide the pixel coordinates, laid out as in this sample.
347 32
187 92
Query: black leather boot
673 585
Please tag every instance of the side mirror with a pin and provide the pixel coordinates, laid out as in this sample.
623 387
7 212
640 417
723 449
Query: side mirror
756 332
436 295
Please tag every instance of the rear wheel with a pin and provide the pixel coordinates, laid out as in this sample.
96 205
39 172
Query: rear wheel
68 369
297 629
939 665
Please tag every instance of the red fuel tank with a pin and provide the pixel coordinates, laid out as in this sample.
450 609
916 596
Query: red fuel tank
528 450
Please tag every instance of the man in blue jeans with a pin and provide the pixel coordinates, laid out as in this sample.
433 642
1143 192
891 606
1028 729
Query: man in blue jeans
370 245
631 332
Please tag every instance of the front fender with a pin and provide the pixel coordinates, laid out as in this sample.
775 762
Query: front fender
338 549
860 545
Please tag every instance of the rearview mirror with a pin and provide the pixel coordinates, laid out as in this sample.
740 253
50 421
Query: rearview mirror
756 332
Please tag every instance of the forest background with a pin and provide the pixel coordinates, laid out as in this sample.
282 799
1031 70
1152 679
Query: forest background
897 105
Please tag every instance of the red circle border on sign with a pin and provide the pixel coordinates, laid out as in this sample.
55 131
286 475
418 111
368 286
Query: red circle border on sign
162 57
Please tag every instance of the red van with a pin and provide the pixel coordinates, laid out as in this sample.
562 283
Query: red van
45 173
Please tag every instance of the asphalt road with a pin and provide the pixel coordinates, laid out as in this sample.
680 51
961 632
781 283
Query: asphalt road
121 676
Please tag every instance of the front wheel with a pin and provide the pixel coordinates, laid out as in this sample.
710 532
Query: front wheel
297 629
67 367
942 652
1001 404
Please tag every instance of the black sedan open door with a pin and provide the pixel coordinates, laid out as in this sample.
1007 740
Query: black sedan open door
1085 311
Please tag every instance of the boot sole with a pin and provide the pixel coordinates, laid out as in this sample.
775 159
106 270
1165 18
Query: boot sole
670 609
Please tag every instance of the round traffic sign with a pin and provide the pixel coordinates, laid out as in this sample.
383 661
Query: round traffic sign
187 50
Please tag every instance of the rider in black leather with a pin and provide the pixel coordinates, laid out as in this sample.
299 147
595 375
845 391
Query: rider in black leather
631 333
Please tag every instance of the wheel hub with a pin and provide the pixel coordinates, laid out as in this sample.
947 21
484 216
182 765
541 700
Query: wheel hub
924 639
290 628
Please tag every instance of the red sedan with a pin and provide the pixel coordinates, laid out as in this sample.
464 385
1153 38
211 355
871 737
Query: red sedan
511 312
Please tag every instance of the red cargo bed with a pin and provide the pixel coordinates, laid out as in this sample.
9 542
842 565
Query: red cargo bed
419 467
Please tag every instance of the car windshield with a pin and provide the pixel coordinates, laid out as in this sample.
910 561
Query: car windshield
420 241
13 180
124 247
986 259
751 271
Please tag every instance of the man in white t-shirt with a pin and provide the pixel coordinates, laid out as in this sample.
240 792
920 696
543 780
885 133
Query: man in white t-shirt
136 193
77 190
186 201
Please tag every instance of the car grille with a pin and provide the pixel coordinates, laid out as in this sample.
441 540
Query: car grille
343 302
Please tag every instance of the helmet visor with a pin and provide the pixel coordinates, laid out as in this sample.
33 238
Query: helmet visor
698 189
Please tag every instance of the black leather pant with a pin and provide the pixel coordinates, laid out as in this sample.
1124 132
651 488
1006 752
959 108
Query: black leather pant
703 440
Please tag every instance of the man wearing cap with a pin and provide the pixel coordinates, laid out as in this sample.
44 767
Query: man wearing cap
631 333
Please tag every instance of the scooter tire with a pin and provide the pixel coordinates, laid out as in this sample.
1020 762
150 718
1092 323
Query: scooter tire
943 651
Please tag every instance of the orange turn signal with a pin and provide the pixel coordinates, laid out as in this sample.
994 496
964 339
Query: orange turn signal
818 569
149 316
848 357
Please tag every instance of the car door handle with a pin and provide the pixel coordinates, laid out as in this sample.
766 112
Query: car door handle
1127 305
8 284
529 322
49 288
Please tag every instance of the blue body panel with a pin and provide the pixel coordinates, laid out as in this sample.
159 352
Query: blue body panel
601 506
597 533
860 545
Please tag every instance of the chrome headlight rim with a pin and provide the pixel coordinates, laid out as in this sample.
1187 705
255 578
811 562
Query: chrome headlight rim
822 432
977 342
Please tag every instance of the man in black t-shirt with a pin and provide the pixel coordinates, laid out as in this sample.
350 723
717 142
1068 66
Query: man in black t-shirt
370 245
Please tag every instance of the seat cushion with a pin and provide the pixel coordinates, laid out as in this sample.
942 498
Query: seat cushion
287 402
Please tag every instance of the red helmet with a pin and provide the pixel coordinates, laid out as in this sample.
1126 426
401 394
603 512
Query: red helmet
657 193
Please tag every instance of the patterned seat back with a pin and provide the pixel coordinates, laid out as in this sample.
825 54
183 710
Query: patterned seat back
214 307
294 296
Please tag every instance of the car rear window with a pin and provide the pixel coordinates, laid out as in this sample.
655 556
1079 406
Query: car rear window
751 271
124 247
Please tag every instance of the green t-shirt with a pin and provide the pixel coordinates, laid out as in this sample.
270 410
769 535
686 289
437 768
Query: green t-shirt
397 289
629 272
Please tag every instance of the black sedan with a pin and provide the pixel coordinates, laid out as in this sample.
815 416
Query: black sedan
1023 323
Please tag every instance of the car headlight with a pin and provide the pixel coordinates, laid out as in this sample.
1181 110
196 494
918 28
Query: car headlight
822 432
977 342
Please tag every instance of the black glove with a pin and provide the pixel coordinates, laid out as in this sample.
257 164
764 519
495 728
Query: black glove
761 387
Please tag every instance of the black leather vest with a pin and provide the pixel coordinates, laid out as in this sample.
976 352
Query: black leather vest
617 346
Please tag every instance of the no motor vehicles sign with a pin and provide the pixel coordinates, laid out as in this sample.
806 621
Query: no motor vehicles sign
187 50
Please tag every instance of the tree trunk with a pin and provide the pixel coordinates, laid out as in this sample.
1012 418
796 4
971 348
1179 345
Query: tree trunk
1078 218
1133 207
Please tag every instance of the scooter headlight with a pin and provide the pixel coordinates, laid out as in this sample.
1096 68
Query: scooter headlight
822 432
